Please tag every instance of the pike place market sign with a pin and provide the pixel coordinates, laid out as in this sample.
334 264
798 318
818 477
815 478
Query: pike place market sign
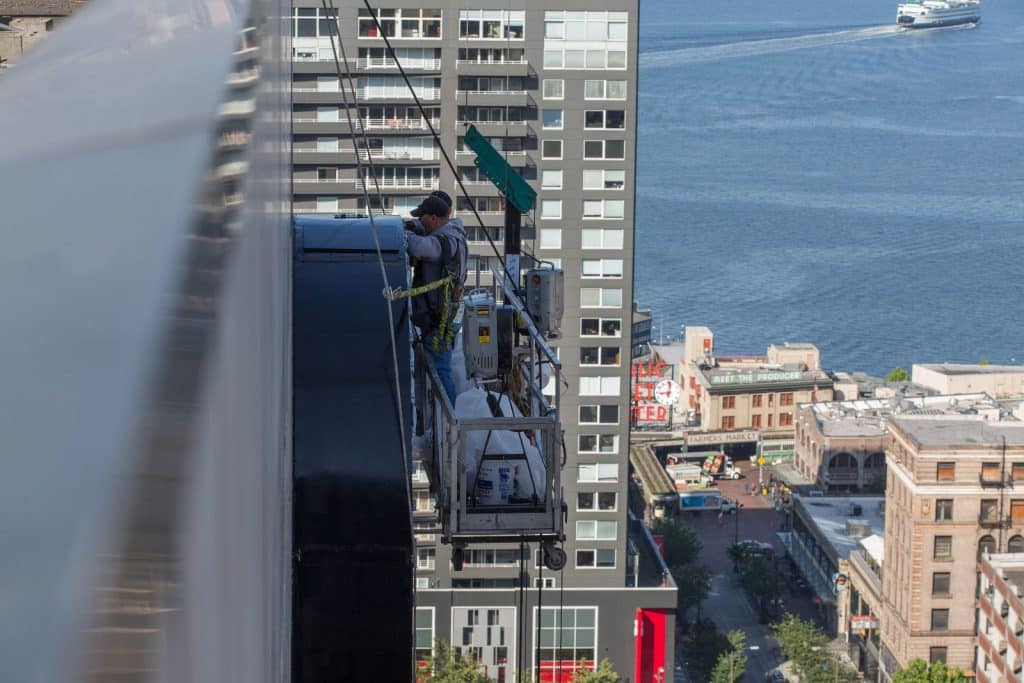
755 377
708 438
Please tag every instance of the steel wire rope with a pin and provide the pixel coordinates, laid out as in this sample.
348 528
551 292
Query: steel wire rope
540 611
437 139
380 261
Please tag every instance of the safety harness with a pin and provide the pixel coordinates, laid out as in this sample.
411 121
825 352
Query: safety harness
442 316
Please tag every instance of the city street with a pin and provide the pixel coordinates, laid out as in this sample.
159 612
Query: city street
727 604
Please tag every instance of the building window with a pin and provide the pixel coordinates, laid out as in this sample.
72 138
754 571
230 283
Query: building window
986 546
755 400
940 583
936 654
1017 471
551 179
600 386
567 636
604 119
327 174
1017 512
1015 544
770 419
989 510
604 149
603 472
599 414
600 298
492 557
728 402
602 179
945 471
551 209
590 501
755 421
602 558
990 471
944 510
604 90
492 24
598 443
601 268
786 420
585 40
425 558
599 355
552 119
404 22
424 633
601 238
550 238
551 149
554 89
786 399
940 619
609 209
596 530
728 422
943 548
310 22
601 327
326 204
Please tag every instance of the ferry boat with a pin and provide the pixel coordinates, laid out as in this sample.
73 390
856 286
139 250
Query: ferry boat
932 13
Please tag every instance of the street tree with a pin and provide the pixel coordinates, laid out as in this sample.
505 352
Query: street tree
732 664
693 583
897 375
449 665
807 646
703 650
604 673
682 546
919 671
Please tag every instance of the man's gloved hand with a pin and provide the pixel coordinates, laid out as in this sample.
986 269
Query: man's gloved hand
413 226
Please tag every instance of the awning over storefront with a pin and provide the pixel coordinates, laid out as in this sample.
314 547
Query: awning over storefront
875 547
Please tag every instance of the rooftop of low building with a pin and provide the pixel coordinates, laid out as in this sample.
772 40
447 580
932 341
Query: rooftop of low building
971 369
867 417
844 521
963 430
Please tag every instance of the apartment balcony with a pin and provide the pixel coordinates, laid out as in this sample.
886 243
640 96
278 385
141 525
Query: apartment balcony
396 125
314 127
314 96
404 96
498 128
354 186
493 98
992 522
386 65
993 481
477 68
517 159
481 188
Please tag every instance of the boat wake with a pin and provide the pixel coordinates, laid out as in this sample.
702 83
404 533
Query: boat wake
752 48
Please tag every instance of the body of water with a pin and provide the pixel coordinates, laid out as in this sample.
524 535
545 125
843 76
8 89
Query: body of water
808 172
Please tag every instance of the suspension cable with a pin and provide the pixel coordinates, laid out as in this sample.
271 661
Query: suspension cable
540 612
437 140
383 271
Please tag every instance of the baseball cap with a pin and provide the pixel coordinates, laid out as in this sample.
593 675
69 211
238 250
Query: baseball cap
443 196
433 206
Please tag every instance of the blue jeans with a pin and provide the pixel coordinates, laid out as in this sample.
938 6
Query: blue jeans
442 362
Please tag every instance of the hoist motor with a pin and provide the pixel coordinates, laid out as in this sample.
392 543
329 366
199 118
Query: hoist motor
488 336
545 299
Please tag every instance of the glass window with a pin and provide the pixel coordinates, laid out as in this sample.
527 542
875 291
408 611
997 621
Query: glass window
554 89
586 500
552 118
944 510
551 179
936 654
551 209
943 548
550 238
594 90
615 90
940 583
989 510
945 471
551 149
940 619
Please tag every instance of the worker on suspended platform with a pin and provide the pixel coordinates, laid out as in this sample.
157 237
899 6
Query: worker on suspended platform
438 252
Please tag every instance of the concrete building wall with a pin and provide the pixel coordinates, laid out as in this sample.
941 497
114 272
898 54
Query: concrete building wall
841 463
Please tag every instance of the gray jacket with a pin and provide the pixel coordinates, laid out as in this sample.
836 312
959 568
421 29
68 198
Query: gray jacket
427 252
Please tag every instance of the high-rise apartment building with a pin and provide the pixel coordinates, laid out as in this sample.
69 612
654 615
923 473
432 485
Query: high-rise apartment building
955 490
553 87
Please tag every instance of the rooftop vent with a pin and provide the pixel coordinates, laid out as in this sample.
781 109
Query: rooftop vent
858 528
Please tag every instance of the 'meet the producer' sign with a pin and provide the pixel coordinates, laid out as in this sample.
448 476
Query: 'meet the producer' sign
755 377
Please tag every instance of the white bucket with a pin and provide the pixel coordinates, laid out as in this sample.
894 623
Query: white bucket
495 482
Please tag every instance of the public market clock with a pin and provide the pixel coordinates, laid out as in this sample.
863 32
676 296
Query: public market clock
666 392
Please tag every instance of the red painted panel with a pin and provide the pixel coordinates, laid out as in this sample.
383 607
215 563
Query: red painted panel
651 640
